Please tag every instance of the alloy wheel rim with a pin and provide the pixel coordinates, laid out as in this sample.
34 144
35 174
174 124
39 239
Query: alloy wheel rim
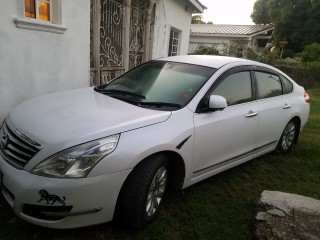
156 191
288 135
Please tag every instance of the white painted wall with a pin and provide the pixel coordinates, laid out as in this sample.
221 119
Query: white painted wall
33 63
221 41
169 14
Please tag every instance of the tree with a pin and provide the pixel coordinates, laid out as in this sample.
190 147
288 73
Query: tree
260 14
296 21
197 19
281 45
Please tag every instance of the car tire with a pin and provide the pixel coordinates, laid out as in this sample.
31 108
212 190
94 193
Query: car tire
143 192
288 137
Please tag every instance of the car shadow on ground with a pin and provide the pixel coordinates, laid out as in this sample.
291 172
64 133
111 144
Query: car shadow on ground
12 227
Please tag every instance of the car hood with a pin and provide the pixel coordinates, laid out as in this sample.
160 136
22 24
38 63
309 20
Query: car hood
78 116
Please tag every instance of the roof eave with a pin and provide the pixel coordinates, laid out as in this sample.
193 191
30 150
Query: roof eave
219 35
264 31
198 6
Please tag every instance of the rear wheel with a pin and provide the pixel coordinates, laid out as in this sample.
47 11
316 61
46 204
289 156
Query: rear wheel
143 192
288 137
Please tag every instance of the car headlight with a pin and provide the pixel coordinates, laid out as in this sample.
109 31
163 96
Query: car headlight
76 162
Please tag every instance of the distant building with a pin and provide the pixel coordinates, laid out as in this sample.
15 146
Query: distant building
234 40
49 46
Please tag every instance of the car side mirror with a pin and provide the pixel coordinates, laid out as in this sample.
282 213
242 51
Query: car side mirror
217 103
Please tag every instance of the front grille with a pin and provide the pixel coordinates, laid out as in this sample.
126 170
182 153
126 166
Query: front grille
16 148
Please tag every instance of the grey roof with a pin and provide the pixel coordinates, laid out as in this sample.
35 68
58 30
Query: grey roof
229 29
206 60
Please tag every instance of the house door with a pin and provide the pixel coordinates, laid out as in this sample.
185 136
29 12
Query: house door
119 37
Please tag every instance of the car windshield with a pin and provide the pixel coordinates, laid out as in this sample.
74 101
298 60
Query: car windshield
159 84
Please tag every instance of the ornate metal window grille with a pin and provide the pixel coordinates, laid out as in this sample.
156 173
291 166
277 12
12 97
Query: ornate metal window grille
111 29
91 34
137 32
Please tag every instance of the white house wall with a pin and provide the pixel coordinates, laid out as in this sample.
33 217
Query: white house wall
170 14
33 63
217 42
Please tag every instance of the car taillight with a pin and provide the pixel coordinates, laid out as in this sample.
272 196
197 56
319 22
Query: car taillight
306 97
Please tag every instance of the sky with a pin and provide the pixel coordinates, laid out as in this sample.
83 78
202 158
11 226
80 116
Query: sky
228 11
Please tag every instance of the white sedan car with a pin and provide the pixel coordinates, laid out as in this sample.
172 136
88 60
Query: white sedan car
82 157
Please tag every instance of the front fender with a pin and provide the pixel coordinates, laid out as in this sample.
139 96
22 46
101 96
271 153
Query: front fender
175 135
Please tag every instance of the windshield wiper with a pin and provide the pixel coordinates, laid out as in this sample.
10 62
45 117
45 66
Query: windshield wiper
159 104
120 92
136 95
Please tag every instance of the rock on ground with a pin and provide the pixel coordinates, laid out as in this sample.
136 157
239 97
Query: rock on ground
285 216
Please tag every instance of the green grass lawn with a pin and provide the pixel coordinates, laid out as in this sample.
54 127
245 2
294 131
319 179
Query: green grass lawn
222 207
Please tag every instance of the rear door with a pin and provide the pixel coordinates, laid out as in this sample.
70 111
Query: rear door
274 106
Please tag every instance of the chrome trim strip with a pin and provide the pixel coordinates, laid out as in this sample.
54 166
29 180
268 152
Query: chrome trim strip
16 148
68 214
28 140
232 159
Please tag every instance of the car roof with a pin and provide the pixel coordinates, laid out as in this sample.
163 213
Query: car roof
208 60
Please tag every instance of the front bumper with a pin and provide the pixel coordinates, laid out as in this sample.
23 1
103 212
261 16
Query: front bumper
61 203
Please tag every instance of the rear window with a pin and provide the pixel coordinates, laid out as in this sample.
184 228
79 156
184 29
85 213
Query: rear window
287 85
268 85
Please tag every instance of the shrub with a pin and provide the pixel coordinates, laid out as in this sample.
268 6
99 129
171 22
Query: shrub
205 50
306 74
311 53
288 54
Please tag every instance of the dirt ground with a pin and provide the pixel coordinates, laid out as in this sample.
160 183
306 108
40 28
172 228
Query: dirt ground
275 224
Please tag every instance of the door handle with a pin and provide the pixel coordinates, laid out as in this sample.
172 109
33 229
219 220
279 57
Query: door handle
251 114
286 106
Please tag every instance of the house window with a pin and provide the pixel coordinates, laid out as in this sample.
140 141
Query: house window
30 9
39 9
40 15
174 42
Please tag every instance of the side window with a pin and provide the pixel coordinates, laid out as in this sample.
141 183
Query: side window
287 85
174 42
236 88
268 85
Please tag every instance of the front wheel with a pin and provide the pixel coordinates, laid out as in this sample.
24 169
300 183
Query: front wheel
288 137
143 192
